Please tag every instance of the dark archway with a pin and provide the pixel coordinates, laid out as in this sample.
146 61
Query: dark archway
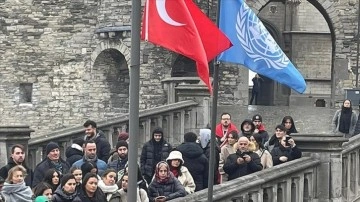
186 67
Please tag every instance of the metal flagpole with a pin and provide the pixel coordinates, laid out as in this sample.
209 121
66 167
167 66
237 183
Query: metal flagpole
213 119
134 99
357 50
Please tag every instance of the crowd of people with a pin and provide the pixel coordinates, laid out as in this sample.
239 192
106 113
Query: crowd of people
92 171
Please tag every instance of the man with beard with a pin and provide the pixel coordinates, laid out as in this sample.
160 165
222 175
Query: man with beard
243 162
17 158
90 156
224 127
154 151
287 151
52 160
102 144
120 164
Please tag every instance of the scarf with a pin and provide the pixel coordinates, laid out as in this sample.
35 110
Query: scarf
175 171
87 159
58 167
345 120
157 169
17 192
205 136
108 190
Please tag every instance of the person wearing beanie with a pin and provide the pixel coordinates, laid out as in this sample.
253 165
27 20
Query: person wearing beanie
153 151
120 164
123 136
195 160
75 151
52 160
247 128
67 190
260 128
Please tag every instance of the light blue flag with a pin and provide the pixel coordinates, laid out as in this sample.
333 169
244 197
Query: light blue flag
254 47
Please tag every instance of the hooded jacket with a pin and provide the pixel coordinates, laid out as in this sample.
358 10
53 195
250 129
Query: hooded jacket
73 153
196 162
102 145
17 192
291 153
11 163
60 196
147 159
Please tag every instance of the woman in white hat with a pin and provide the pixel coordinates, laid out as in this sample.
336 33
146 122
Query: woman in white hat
176 162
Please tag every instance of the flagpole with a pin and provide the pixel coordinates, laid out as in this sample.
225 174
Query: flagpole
213 119
134 99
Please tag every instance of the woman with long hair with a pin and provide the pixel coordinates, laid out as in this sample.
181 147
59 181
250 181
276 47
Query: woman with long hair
52 177
14 188
90 192
289 124
108 184
43 189
141 193
344 120
258 147
165 186
66 192
175 162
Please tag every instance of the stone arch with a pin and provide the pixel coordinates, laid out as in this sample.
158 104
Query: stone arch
123 49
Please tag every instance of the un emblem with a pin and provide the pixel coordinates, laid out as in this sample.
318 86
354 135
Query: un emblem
257 41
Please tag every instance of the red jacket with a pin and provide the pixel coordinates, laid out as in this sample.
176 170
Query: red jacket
219 131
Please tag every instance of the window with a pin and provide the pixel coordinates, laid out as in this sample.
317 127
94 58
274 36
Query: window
25 92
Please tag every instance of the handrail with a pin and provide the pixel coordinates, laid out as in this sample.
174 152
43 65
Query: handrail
354 142
123 118
234 187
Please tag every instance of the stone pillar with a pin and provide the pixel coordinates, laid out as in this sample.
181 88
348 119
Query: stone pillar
10 135
328 149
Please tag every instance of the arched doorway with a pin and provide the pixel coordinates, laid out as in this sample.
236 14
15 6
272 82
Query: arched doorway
110 76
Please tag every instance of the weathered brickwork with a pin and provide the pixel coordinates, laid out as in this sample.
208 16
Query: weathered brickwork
77 74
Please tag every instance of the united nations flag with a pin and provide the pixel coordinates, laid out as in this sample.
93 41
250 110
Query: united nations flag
254 47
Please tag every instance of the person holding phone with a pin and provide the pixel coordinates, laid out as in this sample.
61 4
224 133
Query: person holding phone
287 151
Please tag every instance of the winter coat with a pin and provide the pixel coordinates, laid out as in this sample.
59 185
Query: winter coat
235 170
219 132
147 160
141 195
196 162
102 145
336 119
73 154
217 160
226 150
186 180
45 165
16 192
265 158
118 164
100 164
60 196
107 190
291 153
99 196
29 173
171 189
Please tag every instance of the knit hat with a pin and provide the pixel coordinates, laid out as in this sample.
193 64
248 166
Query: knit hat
257 117
79 141
50 146
122 143
41 199
123 136
66 178
175 155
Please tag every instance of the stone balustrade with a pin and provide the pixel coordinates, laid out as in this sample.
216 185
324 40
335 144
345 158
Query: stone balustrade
175 119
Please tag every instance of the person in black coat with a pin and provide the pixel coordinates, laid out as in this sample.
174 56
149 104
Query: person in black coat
165 186
274 141
243 162
75 151
17 158
102 144
287 151
52 160
195 160
153 151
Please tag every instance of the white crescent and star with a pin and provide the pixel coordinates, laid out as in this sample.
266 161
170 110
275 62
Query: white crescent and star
160 6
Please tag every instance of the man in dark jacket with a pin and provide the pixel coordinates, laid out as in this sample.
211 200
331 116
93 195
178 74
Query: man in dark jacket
102 144
17 158
243 162
153 151
287 151
260 128
52 160
75 151
195 160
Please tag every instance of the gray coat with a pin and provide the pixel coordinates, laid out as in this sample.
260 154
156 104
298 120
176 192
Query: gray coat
335 122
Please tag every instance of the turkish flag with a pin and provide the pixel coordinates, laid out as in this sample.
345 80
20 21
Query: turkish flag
179 25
